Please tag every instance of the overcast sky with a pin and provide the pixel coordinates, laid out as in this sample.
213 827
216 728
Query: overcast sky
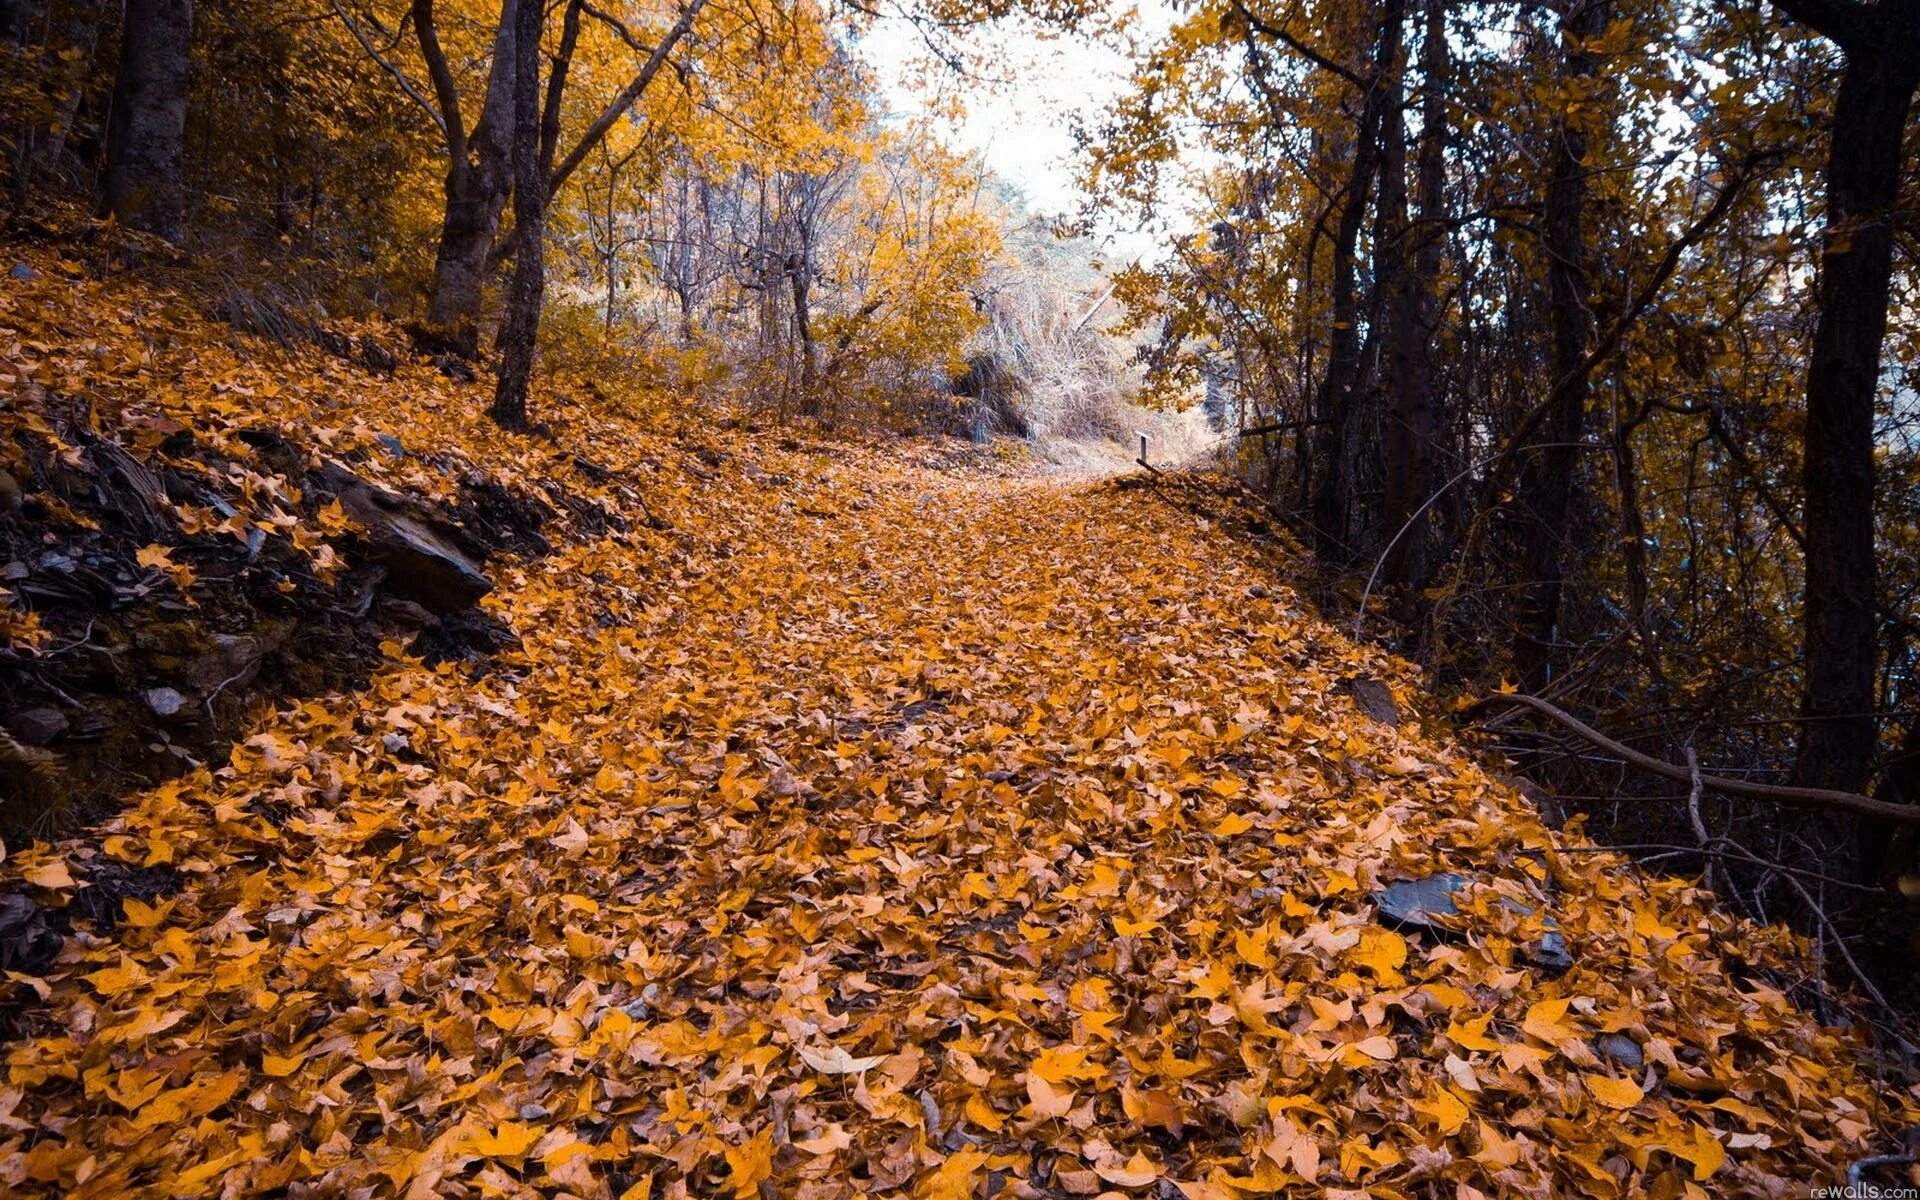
1021 121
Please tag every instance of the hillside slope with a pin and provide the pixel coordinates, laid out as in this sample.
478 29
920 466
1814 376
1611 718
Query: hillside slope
851 818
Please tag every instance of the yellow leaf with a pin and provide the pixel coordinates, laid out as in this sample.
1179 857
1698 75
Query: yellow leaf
1614 1093
751 1162
1383 952
1545 1022
956 1178
51 875
1445 1111
1230 825
1138 1171
1047 1100
277 1067
510 1139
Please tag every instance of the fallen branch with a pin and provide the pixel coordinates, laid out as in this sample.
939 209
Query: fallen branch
1793 797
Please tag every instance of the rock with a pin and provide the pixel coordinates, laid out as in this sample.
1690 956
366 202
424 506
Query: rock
1620 1048
38 726
230 661
1428 904
164 702
1549 952
28 944
422 565
24 273
1375 699
1420 902
407 612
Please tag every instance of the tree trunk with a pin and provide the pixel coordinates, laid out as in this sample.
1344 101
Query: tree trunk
521 333
479 180
1544 494
149 118
1416 318
1334 401
1839 738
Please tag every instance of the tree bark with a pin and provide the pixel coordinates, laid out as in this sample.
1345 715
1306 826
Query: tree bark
521 333
148 123
1335 397
478 182
1544 496
1839 737
1415 314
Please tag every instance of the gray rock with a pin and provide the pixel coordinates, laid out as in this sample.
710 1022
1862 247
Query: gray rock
1375 699
28 943
1428 904
1620 1048
1420 903
38 726
164 702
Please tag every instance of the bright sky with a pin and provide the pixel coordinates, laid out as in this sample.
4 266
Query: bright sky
1020 118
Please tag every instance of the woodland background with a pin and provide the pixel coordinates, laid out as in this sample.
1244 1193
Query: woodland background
1574 338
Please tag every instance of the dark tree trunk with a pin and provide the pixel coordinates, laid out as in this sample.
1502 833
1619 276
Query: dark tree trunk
1413 311
1843 381
1334 402
149 118
802 274
1544 495
521 333
479 180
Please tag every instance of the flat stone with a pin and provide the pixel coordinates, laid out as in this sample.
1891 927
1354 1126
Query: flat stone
1620 1048
1420 902
38 726
1375 699
1428 903
164 702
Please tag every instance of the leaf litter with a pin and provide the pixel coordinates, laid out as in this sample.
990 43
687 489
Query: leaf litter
894 829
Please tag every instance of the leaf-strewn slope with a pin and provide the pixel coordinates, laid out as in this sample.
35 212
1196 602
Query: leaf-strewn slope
873 828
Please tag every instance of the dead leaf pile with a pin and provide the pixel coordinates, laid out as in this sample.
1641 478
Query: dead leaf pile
873 829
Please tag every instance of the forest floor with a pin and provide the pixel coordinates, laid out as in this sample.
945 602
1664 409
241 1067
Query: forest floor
843 817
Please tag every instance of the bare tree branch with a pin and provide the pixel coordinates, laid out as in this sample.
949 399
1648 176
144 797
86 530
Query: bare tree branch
1795 797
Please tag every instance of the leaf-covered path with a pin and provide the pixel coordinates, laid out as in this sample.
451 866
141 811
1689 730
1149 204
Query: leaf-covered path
885 827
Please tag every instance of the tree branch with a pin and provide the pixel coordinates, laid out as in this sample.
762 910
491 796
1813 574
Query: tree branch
406 85
444 88
618 107
1841 22
1794 797
1299 47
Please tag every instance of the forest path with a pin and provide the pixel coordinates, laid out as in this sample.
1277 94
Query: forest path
889 828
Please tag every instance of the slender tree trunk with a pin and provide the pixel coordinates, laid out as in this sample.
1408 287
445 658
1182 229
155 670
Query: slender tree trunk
521 333
1335 399
1416 318
1843 382
1544 493
149 118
